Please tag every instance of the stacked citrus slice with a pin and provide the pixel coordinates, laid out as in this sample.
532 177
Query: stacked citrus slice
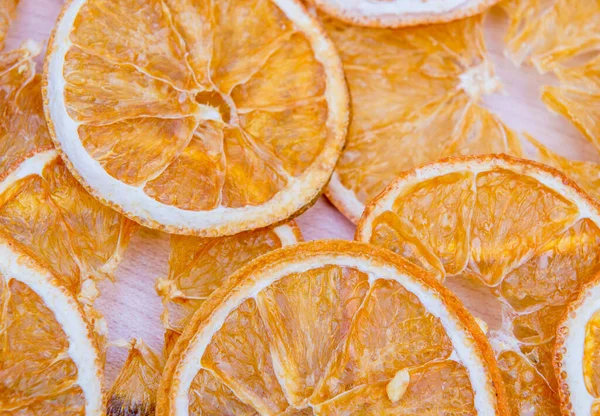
198 266
246 99
514 238
444 71
49 361
397 13
577 353
41 204
561 36
331 327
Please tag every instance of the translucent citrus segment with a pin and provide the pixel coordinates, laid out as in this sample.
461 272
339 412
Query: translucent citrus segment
585 174
549 33
576 355
436 388
49 362
330 327
445 70
245 98
63 227
400 13
521 240
561 36
134 390
41 204
199 266
23 127
315 305
7 12
591 356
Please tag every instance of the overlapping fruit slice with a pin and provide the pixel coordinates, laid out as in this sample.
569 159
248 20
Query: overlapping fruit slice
49 361
561 36
7 11
331 327
415 95
198 266
516 240
41 204
577 353
245 99
399 13
585 174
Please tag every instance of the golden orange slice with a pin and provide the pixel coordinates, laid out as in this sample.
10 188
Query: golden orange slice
41 204
577 353
331 327
415 95
196 118
515 239
561 36
134 390
585 174
198 266
7 12
22 124
49 361
399 13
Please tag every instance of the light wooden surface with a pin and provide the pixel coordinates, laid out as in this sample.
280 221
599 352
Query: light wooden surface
131 306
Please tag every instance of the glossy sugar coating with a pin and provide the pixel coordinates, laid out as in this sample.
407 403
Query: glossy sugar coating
327 341
37 376
444 70
227 95
507 235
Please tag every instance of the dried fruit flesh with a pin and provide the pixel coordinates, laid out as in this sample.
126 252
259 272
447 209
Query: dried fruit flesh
512 232
445 70
41 204
323 328
242 107
22 124
198 266
134 390
577 353
7 12
49 362
560 36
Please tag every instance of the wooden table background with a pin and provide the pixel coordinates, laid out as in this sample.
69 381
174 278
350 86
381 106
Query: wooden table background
131 306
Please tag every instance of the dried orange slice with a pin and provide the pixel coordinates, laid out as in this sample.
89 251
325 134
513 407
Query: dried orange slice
198 266
445 71
515 239
331 327
134 390
49 361
7 11
577 353
41 204
244 99
585 174
561 36
22 124
399 13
